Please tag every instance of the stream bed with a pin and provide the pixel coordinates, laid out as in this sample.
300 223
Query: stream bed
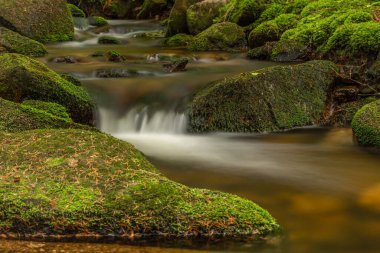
322 188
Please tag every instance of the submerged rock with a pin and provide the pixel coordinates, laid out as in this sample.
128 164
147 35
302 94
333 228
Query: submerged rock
65 59
109 40
115 73
92 183
16 43
222 36
22 78
270 99
176 65
42 20
366 125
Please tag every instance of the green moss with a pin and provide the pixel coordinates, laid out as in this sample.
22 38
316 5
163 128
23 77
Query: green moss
272 30
109 40
16 117
75 11
42 20
150 8
49 107
366 125
22 78
270 99
221 36
177 21
97 184
179 40
71 79
242 12
16 43
97 21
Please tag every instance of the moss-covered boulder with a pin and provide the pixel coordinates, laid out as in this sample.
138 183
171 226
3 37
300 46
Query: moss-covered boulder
76 11
90 183
16 117
270 99
271 30
200 16
242 12
151 8
16 43
42 20
366 125
97 21
22 78
222 36
177 21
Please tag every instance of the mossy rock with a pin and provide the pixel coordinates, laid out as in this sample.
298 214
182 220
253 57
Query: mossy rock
262 53
68 182
109 40
22 78
366 125
97 21
16 43
16 117
200 16
177 21
76 11
242 12
270 99
71 79
221 36
179 40
42 20
271 30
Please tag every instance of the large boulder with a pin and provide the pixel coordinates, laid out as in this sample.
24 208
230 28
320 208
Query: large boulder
22 78
16 117
16 43
177 21
71 182
221 36
151 8
200 16
366 125
270 99
42 20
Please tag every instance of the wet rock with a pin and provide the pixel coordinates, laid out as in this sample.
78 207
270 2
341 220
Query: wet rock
176 65
345 94
109 40
289 52
115 73
115 56
370 198
262 53
65 59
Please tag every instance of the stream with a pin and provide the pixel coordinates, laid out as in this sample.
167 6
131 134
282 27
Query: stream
322 188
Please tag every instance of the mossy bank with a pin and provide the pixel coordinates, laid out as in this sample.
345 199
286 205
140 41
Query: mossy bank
95 184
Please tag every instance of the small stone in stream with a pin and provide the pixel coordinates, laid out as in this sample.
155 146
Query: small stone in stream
114 56
115 73
65 59
176 65
346 93
97 54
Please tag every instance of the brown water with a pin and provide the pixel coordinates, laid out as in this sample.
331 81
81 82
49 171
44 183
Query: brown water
322 188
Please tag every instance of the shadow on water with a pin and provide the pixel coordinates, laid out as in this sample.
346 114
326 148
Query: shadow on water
322 188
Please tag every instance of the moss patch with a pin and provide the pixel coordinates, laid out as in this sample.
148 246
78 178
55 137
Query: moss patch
76 12
22 78
266 100
222 36
179 40
97 184
16 117
16 43
366 125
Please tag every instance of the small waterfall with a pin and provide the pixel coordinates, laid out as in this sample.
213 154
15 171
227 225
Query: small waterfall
143 121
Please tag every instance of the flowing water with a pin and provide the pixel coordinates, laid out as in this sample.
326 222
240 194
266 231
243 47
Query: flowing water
322 188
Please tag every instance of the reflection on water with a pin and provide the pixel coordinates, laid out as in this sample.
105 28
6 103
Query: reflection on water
323 189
